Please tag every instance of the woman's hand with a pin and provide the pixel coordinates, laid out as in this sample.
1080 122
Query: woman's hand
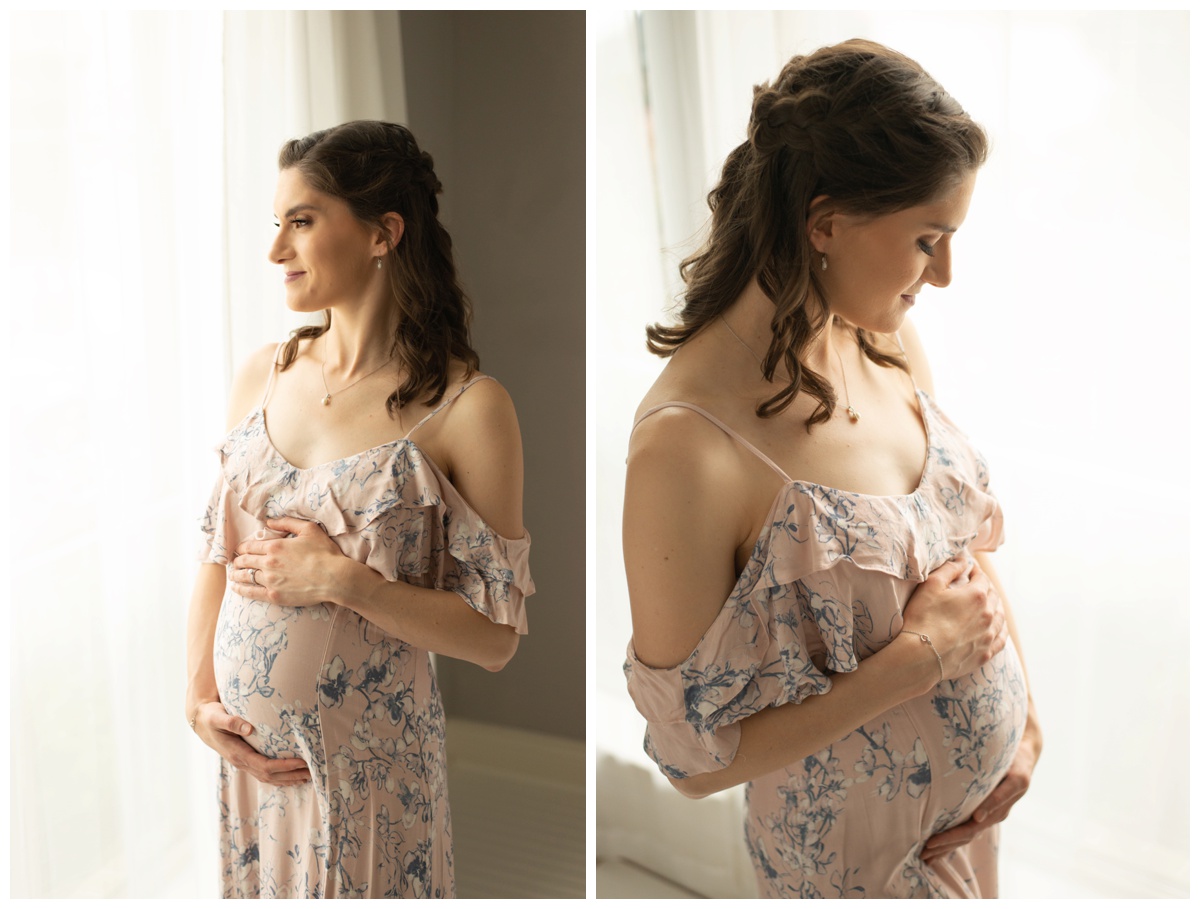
291 571
960 610
222 732
996 806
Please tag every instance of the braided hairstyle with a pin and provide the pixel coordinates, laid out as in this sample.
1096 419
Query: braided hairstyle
377 168
857 122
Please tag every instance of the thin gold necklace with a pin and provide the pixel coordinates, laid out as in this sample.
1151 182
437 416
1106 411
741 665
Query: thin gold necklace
854 414
329 394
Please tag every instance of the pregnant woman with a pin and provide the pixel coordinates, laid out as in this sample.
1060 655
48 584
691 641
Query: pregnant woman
805 530
367 513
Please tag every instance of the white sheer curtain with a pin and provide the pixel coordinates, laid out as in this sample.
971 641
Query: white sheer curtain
1060 348
143 148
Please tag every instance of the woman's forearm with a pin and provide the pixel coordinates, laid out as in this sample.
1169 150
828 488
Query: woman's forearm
436 620
779 736
1033 729
201 630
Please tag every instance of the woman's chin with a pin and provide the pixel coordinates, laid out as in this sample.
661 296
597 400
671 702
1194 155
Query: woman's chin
300 305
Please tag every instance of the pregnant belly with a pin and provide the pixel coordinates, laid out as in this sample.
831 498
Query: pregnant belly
916 770
268 660
972 726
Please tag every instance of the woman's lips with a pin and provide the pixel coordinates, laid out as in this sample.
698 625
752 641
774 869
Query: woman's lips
909 299
291 276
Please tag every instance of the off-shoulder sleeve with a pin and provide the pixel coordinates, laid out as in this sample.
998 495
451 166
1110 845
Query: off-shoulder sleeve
755 655
208 525
489 572
419 529
224 524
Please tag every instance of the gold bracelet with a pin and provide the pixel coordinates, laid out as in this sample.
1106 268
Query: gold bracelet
926 640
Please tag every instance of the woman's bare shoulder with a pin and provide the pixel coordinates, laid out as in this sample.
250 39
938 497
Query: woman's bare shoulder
485 402
250 382
669 426
682 527
479 444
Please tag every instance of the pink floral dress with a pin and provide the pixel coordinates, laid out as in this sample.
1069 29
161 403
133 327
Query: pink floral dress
826 586
322 683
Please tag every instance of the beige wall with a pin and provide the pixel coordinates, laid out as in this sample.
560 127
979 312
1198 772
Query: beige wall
498 99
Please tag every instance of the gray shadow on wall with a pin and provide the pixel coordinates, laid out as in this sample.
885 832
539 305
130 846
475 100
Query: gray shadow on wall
498 100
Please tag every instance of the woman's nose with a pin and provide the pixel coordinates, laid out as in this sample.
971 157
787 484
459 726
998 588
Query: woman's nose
938 271
278 251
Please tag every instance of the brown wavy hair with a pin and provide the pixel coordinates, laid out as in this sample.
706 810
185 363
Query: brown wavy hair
857 122
377 168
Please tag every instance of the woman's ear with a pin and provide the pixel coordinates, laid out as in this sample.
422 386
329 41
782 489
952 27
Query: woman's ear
391 230
819 227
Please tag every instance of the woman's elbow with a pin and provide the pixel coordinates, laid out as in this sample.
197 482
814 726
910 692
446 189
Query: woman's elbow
503 650
696 787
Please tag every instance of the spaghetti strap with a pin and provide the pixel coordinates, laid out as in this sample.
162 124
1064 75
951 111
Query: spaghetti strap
446 403
271 377
720 425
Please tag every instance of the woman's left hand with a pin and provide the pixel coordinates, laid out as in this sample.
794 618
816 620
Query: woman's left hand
290 571
996 806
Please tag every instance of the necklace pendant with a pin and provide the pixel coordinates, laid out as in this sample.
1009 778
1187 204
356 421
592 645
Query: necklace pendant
325 400
854 415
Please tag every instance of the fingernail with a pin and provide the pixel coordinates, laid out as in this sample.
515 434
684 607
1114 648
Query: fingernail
247 729
981 816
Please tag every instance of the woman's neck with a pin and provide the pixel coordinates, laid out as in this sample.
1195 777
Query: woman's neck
749 321
358 340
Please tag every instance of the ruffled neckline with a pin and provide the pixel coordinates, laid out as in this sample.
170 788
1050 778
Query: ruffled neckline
277 455
393 473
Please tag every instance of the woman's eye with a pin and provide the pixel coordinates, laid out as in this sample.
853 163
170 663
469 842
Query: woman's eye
299 222
926 248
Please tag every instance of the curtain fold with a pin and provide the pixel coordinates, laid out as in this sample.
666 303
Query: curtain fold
116 291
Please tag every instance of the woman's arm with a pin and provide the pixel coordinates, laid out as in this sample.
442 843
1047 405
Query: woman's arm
207 716
967 624
1016 782
201 628
210 580
482 443
682 528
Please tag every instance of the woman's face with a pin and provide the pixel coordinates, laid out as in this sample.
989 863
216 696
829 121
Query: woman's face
327 255
878 265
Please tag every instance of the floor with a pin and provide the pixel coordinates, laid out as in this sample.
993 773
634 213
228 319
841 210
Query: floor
519 813
618 879
1026 872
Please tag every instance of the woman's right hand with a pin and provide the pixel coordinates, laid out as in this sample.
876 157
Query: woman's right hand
959 609
222 732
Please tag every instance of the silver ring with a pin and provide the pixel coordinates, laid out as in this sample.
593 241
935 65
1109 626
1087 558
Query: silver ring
253 577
